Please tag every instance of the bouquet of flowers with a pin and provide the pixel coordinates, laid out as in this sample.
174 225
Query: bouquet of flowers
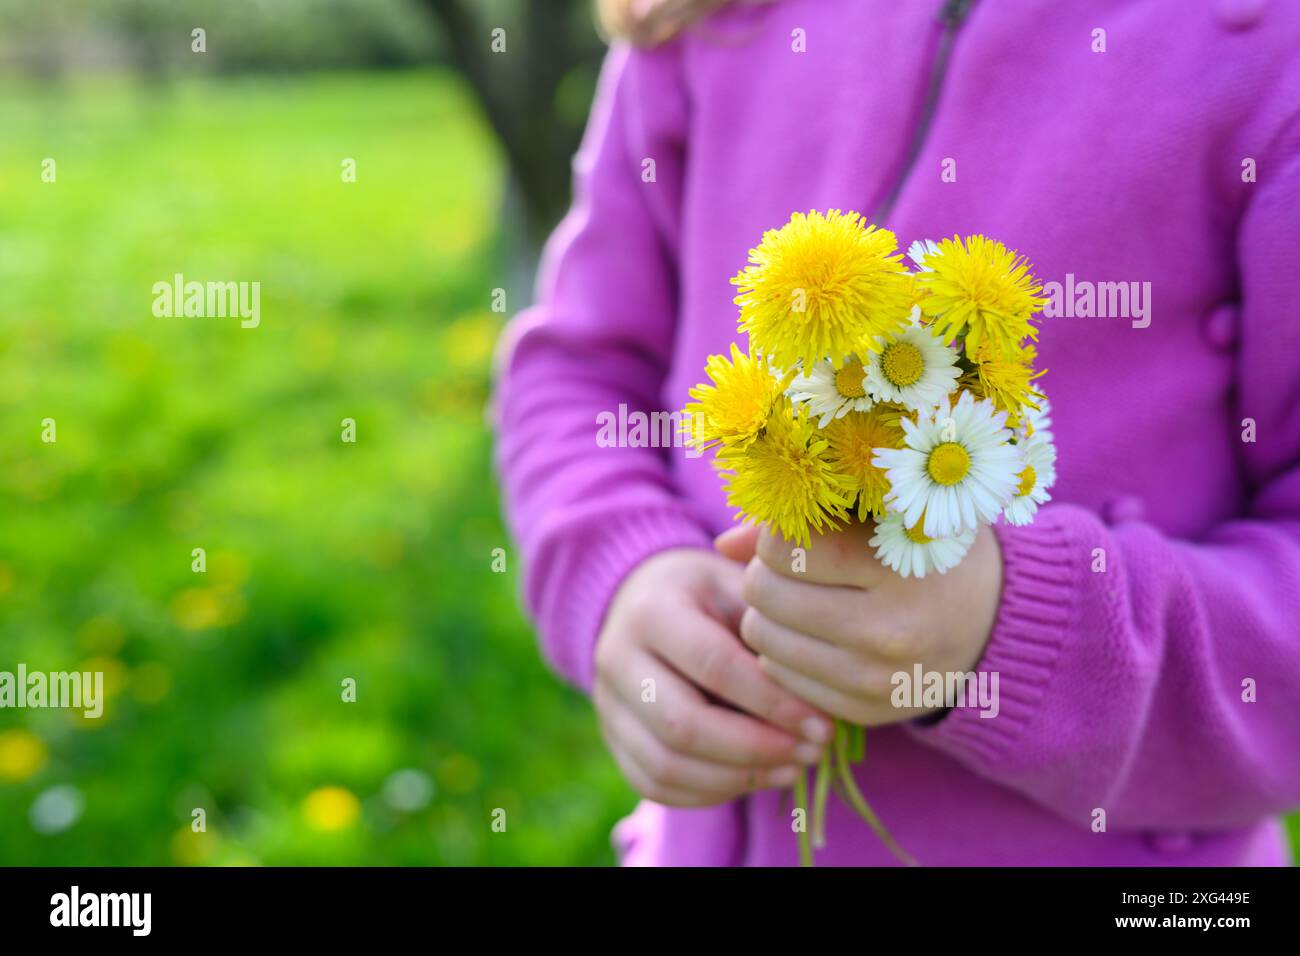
872 391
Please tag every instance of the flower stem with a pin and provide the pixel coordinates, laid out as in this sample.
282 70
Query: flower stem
821 790
801 802
862 807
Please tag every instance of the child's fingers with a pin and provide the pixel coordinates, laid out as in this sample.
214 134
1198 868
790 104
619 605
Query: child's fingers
714 658
607 701
834 614
644 785
677 713
865 712
824 662
738 543
840 558
675 775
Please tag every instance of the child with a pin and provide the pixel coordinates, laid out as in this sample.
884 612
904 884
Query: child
1146 626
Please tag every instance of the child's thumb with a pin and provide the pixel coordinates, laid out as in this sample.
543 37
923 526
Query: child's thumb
739 543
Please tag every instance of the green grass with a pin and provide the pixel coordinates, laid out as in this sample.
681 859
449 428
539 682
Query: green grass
326 560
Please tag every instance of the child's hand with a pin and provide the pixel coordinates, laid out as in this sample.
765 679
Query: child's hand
837 632
668 650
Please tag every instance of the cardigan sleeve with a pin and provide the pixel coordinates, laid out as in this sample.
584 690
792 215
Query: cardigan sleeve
1165 689
599 336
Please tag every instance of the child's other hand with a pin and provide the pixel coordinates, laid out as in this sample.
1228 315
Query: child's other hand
836 632
668 661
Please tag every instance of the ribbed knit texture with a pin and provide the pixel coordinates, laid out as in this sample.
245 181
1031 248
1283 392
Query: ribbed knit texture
1161 586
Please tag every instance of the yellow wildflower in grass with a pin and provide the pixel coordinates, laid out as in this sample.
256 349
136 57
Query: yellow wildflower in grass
822 286
785 479
735 408
1008 383
190 848
852 441
22 754
330 809
980 290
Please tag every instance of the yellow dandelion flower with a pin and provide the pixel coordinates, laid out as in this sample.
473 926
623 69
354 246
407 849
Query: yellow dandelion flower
914 293
853 440
981 290
785 479
822 286
735 408
1008 383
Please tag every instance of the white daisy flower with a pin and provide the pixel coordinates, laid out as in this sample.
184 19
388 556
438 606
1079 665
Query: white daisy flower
909 552
957 467
913 368
829 392
918 250
1037 475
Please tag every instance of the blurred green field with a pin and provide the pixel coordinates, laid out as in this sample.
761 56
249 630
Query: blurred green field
325 560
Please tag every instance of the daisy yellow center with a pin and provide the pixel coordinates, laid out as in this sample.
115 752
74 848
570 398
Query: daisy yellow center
948 464
848 380
916 535
1027 480
902 364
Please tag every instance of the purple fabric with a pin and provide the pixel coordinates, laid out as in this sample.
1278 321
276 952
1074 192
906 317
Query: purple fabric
1120 689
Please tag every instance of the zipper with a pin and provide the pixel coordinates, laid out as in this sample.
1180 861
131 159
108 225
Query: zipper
951 16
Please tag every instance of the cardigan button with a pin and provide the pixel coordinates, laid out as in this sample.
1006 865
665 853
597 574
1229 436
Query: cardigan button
1221 327
1240 14
1174 841
1127 508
